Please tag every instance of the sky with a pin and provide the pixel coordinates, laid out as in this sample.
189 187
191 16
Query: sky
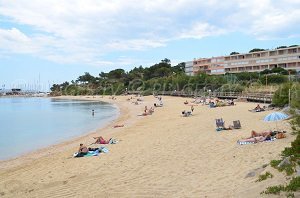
53 41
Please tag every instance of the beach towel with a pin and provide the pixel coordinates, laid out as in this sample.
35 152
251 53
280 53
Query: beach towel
89 154
243 143
103 149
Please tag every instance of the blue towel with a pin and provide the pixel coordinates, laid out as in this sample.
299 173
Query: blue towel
103 149
90 153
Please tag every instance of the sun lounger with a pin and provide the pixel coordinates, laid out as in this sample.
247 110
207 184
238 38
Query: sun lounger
237 124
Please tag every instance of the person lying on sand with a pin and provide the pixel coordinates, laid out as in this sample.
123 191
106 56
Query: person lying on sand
119 125
263 133
101 140
256 139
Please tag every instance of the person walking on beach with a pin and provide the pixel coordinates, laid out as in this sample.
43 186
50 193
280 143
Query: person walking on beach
192 108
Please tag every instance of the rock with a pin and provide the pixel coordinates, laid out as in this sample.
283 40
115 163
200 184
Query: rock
256 171
265 165
298 171
284 162
251 174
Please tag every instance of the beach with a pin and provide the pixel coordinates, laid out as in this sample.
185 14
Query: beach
159 155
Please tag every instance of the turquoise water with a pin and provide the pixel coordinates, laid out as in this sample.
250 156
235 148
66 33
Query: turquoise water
27 124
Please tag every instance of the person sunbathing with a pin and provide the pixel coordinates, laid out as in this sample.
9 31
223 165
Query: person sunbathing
119 125
257 134
83 150
151 110
256 139
258 108
101 140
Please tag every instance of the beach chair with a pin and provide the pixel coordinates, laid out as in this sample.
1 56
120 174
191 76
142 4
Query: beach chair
237 124
220 123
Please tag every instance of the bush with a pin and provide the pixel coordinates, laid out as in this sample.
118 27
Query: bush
281 96
274 190
274 79
294 184
147 92
231 88
264 176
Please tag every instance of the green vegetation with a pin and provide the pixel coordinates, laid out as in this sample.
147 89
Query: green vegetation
234 53
256 50
274 190
281 47
264 176
293 186
290 154
163 77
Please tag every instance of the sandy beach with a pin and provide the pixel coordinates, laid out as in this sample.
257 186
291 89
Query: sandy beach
160 155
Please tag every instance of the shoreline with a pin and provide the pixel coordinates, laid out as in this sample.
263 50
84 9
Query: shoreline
162 155
64 144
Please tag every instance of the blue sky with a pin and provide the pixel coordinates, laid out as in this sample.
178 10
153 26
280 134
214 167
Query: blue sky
53 41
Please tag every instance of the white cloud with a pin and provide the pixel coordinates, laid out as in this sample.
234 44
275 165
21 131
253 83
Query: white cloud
89 31
200 30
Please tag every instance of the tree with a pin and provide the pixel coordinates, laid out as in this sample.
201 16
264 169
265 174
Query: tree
233 53
168 61
116 74
281 47
87 77
55 88
179 68
103 75
256 50
280 70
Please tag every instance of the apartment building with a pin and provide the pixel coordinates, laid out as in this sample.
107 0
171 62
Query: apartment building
287 58
189 68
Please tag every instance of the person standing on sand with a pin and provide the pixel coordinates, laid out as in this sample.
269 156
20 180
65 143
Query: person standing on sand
192 108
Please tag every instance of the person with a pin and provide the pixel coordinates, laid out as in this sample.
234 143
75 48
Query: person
256 139
151 110
146 109
83 150
186 102
257 134
258 108
101 140
119 125
93 112
192 108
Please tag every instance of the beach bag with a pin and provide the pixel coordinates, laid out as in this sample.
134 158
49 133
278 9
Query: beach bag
280 136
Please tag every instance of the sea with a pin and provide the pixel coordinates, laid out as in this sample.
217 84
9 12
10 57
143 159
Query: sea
31 123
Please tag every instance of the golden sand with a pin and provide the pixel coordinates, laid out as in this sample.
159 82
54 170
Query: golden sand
161 155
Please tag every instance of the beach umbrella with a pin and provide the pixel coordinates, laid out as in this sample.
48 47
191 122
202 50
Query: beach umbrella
275 116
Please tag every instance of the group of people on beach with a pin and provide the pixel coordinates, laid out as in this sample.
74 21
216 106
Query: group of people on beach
83 149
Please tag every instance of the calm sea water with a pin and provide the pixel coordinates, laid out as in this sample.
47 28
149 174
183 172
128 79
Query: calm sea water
27 124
